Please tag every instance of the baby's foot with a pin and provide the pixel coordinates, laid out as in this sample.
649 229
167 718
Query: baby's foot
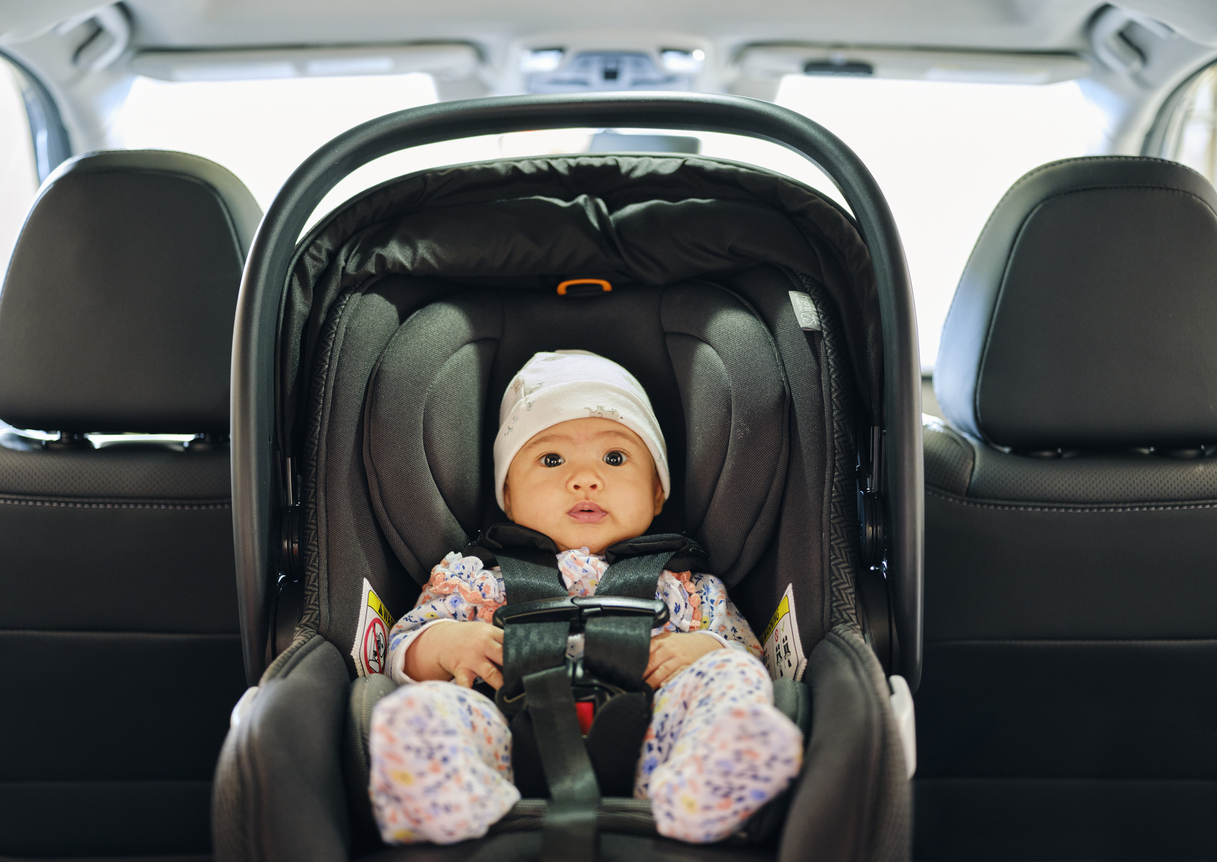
430 779
706 792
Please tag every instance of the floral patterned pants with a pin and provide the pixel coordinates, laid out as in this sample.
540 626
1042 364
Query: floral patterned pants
716 751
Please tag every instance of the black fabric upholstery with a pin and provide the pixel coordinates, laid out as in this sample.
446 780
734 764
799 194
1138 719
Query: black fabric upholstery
1070 612
289 793
120 650
116 312
1084 315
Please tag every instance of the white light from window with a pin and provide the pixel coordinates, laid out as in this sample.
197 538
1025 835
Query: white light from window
546 60
944 154
682 62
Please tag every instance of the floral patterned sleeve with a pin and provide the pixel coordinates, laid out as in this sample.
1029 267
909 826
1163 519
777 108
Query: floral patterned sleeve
461 589
698 603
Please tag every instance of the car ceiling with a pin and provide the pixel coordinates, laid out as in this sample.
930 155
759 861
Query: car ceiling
974 24
52 38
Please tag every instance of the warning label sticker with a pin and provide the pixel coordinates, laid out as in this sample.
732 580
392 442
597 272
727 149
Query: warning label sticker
371 650
783 646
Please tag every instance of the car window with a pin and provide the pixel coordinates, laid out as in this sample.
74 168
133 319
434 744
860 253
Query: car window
18 170
1187 129
943 152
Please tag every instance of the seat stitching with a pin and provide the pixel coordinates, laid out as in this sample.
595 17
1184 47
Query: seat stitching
950 498
73 504
75 633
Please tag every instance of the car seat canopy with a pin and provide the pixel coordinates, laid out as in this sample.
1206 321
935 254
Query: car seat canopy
536 222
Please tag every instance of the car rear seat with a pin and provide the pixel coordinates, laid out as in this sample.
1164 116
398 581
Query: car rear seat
120 654
1067 708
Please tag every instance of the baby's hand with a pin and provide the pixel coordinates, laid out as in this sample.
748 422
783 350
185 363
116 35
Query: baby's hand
459 652
672 652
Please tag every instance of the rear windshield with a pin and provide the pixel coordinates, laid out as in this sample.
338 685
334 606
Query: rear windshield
942 152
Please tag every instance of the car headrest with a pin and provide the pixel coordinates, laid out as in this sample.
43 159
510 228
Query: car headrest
117 309
1086 316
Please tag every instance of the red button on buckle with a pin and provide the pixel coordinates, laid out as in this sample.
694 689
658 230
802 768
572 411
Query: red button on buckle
585 711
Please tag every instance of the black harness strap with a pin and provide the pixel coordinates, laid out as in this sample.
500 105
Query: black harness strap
616 649
537 682
529 574
570 822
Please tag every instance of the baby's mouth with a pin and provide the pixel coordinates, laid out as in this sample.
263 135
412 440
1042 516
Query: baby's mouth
587 512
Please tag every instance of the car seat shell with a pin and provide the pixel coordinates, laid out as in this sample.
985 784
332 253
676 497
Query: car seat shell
404 252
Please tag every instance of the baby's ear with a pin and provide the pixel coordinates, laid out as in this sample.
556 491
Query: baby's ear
507 501
658 494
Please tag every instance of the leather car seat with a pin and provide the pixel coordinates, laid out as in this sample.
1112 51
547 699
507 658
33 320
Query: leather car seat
1066 708
120 655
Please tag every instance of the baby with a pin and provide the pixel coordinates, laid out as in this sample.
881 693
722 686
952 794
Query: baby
580 457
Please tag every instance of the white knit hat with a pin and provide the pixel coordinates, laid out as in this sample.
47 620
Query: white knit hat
573 384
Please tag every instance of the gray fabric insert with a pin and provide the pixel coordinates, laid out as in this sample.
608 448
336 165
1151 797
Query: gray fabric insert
802 554
430 385
458 393
366 692
341 533
721 351
706 398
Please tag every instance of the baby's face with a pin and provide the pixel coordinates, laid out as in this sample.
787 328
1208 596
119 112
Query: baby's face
584 483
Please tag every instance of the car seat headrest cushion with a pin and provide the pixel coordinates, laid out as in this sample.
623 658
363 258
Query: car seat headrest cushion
437 377
1085 315
117 309
423 427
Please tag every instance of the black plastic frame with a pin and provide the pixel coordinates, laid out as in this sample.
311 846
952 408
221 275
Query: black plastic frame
257 504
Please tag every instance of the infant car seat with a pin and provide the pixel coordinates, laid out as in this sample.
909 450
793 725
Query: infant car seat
749 309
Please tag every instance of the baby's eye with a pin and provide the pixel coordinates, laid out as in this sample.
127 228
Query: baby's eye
552 459
614 458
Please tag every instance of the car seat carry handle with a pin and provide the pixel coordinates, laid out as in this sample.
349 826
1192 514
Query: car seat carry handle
261 461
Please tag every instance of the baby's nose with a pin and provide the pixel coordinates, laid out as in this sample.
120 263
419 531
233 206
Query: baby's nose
585 483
